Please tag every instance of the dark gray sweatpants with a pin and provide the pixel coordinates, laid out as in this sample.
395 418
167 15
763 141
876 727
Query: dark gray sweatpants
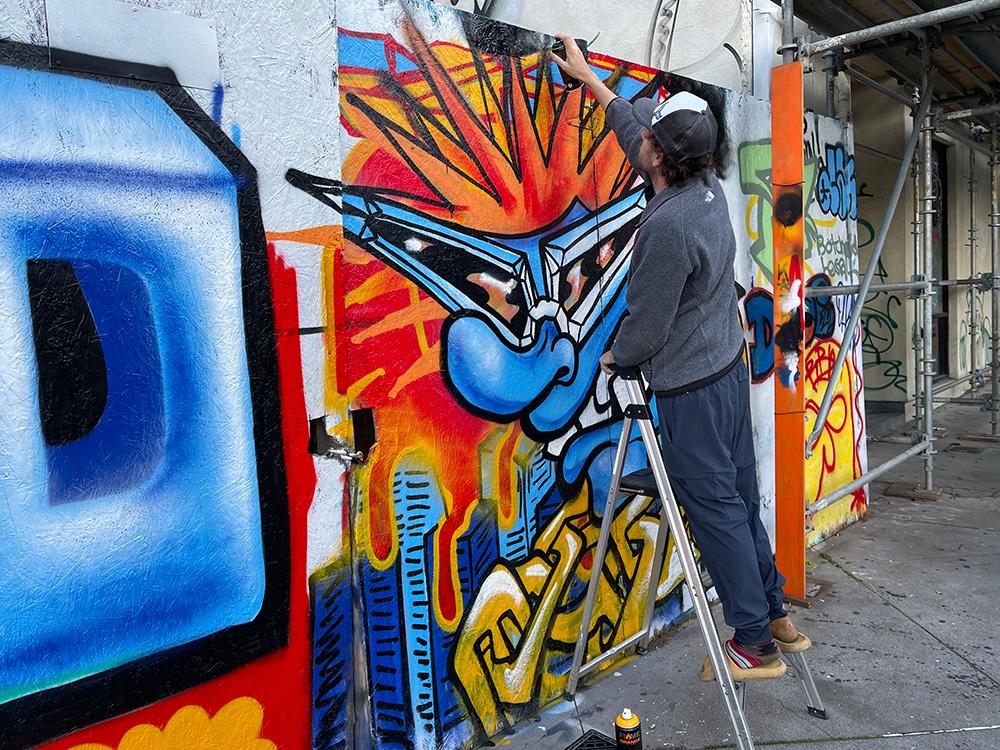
707 442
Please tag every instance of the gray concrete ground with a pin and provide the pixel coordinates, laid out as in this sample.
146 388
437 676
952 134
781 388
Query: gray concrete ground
907 643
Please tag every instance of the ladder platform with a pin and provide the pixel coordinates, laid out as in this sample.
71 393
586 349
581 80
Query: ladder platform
778 669
640 482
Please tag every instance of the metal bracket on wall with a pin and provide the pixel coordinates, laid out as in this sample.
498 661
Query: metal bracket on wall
322 443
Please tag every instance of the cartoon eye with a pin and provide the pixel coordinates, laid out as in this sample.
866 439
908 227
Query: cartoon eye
499 293
415 245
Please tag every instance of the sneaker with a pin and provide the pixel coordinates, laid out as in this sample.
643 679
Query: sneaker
788 637
760 662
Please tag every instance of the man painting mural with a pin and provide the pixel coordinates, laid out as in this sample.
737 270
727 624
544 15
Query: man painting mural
683 329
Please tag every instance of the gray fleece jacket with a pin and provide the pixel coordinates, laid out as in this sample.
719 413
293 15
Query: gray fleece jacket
682 324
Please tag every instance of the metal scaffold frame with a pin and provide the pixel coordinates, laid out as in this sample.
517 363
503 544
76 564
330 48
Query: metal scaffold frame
922 288
995 282
883 30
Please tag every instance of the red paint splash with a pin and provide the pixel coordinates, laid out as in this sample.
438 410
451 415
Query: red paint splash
859 504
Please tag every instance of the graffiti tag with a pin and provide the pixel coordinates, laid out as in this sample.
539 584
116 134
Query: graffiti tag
836 187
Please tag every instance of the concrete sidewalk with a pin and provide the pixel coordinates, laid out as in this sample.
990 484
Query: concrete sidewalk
907 641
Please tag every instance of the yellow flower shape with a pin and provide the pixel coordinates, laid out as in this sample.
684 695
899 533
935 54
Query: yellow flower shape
235 727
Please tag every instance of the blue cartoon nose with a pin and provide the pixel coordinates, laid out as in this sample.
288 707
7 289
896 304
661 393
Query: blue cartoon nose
495 378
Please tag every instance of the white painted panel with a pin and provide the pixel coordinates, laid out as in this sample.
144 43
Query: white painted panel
107 28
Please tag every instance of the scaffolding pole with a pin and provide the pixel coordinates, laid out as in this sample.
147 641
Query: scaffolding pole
966 401
909 23
883 233
918 275
973 293
977 280
844 290
965 114
927 213
866 478
833 66
963 136
852 289
788 46
995 290
871 83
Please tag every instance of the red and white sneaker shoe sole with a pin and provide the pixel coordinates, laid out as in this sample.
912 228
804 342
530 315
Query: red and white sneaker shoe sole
770 671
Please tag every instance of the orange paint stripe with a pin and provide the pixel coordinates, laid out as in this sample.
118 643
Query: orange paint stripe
325 236
790 489
426 309
789 419
379 283
786 124
427 364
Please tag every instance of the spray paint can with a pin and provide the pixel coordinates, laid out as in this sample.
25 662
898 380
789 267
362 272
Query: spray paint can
628 731
559 50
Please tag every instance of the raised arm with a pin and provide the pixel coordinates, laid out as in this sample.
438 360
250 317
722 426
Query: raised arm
627 129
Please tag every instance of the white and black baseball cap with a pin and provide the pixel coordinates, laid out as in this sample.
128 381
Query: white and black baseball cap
683 124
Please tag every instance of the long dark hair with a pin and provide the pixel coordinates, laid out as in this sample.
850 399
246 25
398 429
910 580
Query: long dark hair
679 172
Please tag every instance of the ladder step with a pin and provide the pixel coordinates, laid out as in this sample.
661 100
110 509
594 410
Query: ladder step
640 482
611 653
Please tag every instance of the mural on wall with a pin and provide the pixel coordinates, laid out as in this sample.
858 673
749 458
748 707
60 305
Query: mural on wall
883 336
473 270
969 361
836 187
487 215
880 323
829 233
156 480
487 221
236 725
840 453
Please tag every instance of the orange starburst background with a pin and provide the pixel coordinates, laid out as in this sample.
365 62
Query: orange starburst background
497 145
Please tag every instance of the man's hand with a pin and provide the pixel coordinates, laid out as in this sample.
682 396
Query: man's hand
575 65
607 360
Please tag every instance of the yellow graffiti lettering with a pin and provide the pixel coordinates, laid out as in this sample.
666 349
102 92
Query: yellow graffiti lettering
526 614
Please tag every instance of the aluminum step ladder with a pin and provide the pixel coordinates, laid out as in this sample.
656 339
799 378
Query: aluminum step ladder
654 483
637 411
